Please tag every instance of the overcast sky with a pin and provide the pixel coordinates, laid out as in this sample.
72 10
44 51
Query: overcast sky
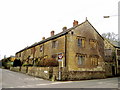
24 22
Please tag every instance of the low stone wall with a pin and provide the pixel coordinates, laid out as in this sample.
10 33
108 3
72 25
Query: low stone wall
80 75
108 70
63 71
118 73
42 72
24 69
53 73
77 75
17 69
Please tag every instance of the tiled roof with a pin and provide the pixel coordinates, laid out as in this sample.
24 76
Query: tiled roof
57 35
113 43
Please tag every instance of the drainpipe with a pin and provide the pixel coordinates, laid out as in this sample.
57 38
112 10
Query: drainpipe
60 71
65 49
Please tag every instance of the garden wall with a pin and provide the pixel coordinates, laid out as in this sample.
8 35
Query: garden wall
42 72
16 69
24 69
52 73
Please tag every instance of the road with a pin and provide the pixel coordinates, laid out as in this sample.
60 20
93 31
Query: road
12 79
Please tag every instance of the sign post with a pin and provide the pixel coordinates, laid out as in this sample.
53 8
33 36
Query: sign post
60 56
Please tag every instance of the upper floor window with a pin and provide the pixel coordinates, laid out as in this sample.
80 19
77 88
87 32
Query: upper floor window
81 42
19 54
118 52
108 52
54 44
32 50
93 43
41 48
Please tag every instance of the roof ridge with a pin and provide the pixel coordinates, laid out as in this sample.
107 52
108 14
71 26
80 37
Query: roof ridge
52 37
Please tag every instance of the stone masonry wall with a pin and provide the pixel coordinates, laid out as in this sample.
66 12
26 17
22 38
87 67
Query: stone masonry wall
24 69
77 75
42 72
17 69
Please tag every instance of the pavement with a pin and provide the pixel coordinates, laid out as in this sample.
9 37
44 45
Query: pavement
10 79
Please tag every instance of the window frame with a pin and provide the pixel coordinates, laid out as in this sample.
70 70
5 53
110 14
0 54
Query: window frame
54 44
94 60
81 60
41 48
91 42
81 41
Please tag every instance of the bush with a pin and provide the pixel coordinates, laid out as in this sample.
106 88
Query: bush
16 63
6 63
27 65
49 62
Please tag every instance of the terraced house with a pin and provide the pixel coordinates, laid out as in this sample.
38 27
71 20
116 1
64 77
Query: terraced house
112 58
79 51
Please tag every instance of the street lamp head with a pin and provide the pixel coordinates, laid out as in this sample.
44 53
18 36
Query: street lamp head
106 16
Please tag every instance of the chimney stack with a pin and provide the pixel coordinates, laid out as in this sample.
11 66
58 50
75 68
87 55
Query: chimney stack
43 38
75 23
52 33
64 28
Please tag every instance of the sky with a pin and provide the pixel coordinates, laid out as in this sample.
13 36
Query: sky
24 22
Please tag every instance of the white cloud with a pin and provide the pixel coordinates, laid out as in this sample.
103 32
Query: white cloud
24 22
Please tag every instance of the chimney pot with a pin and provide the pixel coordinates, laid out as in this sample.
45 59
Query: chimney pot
75 23
52 33
64 28
43 38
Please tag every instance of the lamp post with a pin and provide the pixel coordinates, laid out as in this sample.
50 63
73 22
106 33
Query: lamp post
118 27
109 16
116 62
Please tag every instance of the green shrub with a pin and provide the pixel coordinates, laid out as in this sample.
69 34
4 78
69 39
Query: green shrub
27 65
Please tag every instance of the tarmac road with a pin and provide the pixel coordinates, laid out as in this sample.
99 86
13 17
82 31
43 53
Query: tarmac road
12 79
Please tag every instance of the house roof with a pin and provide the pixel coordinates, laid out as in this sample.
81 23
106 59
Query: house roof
113 43
58 35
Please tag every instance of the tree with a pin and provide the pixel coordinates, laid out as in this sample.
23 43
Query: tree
16 63
111 36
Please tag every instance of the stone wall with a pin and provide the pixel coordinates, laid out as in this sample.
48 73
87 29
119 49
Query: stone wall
52 73
118 71
42 72
80 75
77 75
17 69
108 69
24 69
87 33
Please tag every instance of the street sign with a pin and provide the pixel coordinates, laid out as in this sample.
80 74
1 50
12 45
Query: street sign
59 60
60 56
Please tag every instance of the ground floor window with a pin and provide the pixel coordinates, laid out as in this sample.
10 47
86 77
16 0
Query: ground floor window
81 60
94 61
118 62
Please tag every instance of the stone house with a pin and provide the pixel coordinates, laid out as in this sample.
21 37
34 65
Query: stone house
79 50
118 60
112 58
